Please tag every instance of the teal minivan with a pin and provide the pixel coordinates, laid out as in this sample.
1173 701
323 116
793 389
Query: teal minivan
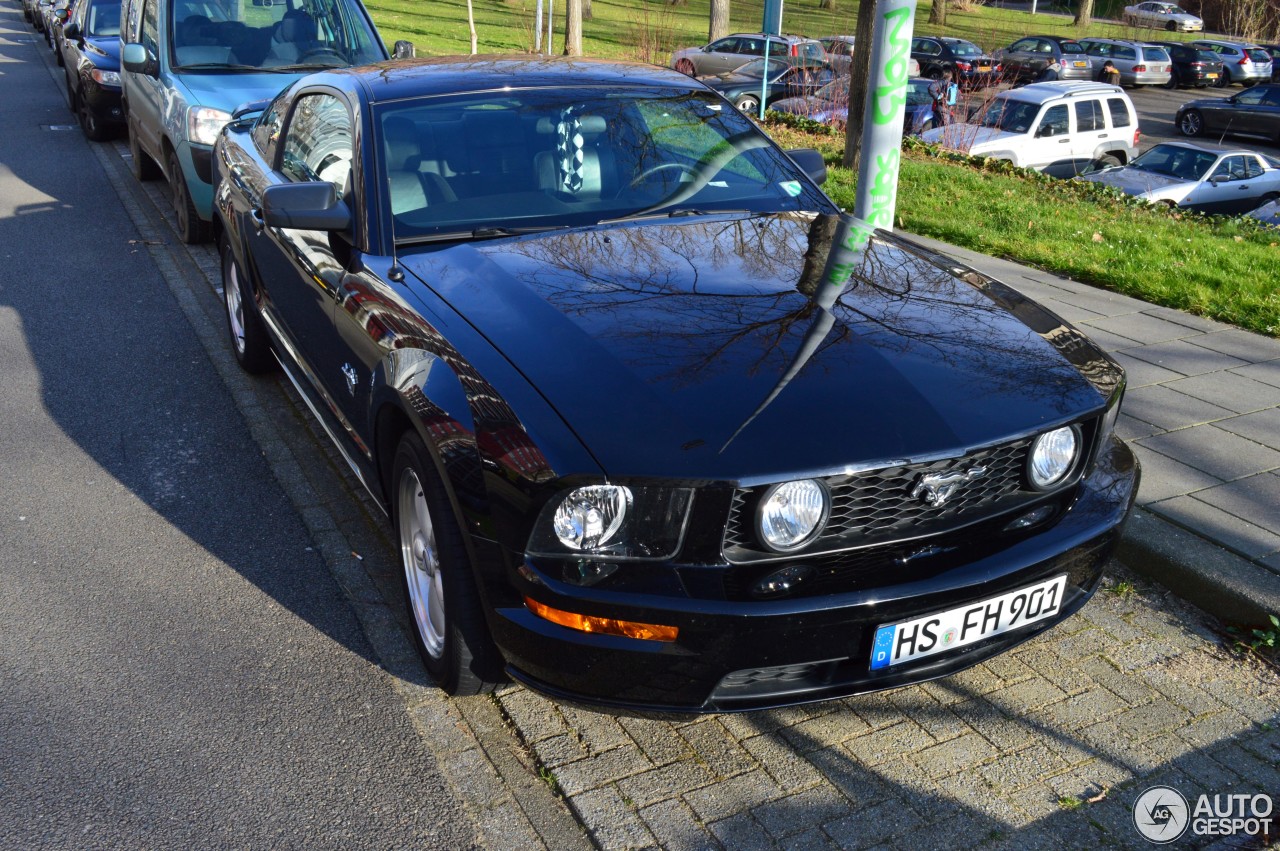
187 65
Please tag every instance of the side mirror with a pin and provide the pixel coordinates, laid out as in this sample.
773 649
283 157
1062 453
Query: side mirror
811 162
139 60
403 50
305 206
61 15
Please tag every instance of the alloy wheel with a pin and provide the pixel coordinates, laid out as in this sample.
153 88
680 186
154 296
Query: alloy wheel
421 559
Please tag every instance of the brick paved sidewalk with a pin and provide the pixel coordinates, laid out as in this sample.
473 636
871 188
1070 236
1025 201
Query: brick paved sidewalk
1047 746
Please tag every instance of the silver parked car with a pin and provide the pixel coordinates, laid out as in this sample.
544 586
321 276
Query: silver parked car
1139 64
1165 16
733 51
1208 178
839 50
1242 63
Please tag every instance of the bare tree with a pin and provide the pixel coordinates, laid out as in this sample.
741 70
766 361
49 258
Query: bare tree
938 13
573 28
719 24
859 79
1084 13
471 22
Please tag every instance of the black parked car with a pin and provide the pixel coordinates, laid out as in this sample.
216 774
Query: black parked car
90 50
1251 112
785 77
642 447
972 67
1192 66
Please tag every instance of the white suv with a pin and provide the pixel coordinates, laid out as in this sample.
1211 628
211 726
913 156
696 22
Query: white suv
1059 128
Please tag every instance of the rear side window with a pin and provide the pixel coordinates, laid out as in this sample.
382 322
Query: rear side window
1119 112
812 50
1156 54
926 46
1089 116
1095 48
1252 168
1122 52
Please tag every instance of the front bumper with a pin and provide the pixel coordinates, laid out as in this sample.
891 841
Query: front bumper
736 655
105 103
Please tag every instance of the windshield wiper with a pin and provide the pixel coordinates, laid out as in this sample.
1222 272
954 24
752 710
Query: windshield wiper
217 66
310 66
675 214
488 232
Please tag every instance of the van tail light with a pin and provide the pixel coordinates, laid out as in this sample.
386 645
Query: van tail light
1139 69
1137 135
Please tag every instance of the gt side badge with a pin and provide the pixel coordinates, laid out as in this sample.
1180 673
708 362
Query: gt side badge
350 372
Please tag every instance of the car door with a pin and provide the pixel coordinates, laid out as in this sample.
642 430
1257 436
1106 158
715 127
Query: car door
1091 128
303 268
1221 189
71 46
1269 112
1097 52
1244 113
1049 142
143 93
721 56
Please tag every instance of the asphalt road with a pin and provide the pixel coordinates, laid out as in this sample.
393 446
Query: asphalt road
1157 107
178 668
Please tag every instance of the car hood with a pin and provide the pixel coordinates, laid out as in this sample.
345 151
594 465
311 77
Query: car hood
969 137
1132 181
698 349
105 50
228 91
1182 18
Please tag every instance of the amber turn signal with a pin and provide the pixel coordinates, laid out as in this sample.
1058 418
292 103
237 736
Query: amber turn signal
604 626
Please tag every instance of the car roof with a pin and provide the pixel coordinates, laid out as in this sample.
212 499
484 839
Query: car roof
1059 89
409 78
1207 147
1246 45
836 38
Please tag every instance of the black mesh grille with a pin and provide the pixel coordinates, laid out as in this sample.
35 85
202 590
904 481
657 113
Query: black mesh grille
880 505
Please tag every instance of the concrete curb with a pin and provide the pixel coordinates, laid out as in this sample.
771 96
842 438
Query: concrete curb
1227 586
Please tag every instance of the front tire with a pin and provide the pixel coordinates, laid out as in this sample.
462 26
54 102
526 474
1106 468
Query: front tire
748 104
249 340
1191 123
191 228
94 129
439 584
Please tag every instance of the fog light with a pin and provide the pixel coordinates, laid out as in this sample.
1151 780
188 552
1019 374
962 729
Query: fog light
605 626
1031 518
781 581
792 514
1052 456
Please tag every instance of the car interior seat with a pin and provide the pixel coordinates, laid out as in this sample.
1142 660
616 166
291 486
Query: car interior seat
294 37
411 187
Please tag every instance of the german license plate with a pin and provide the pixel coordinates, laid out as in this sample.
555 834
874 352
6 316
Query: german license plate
1211 76
982 69
936 633
1082 64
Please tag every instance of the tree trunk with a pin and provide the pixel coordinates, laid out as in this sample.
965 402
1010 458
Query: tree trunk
828 5
938 13
573 28
719 24
586 10
859 79
1084 13
471 22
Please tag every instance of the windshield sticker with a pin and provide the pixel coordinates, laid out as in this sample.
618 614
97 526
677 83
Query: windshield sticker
791 187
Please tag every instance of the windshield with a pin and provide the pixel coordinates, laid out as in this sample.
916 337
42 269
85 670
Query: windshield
1206 56
248 35
1155 54
103 20
755 68
1176 161
965 48
1016 116
541 158
836 90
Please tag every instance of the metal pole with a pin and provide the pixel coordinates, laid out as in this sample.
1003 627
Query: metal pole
551 26
537 29
764 78
877 192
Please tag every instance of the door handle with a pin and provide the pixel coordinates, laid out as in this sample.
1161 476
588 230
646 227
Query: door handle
256 215
1063 141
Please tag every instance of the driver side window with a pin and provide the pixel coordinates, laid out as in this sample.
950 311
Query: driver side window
1054 122
318 141
1231 168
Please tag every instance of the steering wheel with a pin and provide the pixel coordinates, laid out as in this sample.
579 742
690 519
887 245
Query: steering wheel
317 52
652 170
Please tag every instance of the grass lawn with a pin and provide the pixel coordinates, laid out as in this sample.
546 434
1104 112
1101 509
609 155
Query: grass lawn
649 30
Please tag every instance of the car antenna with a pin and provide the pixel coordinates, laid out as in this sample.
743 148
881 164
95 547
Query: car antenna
395 273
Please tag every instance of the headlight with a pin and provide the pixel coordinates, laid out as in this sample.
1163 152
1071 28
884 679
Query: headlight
791 514
204 124
1052 456
590 517
105 78
613 522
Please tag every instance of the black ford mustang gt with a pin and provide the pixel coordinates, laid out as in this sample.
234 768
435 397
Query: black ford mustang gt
656 429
